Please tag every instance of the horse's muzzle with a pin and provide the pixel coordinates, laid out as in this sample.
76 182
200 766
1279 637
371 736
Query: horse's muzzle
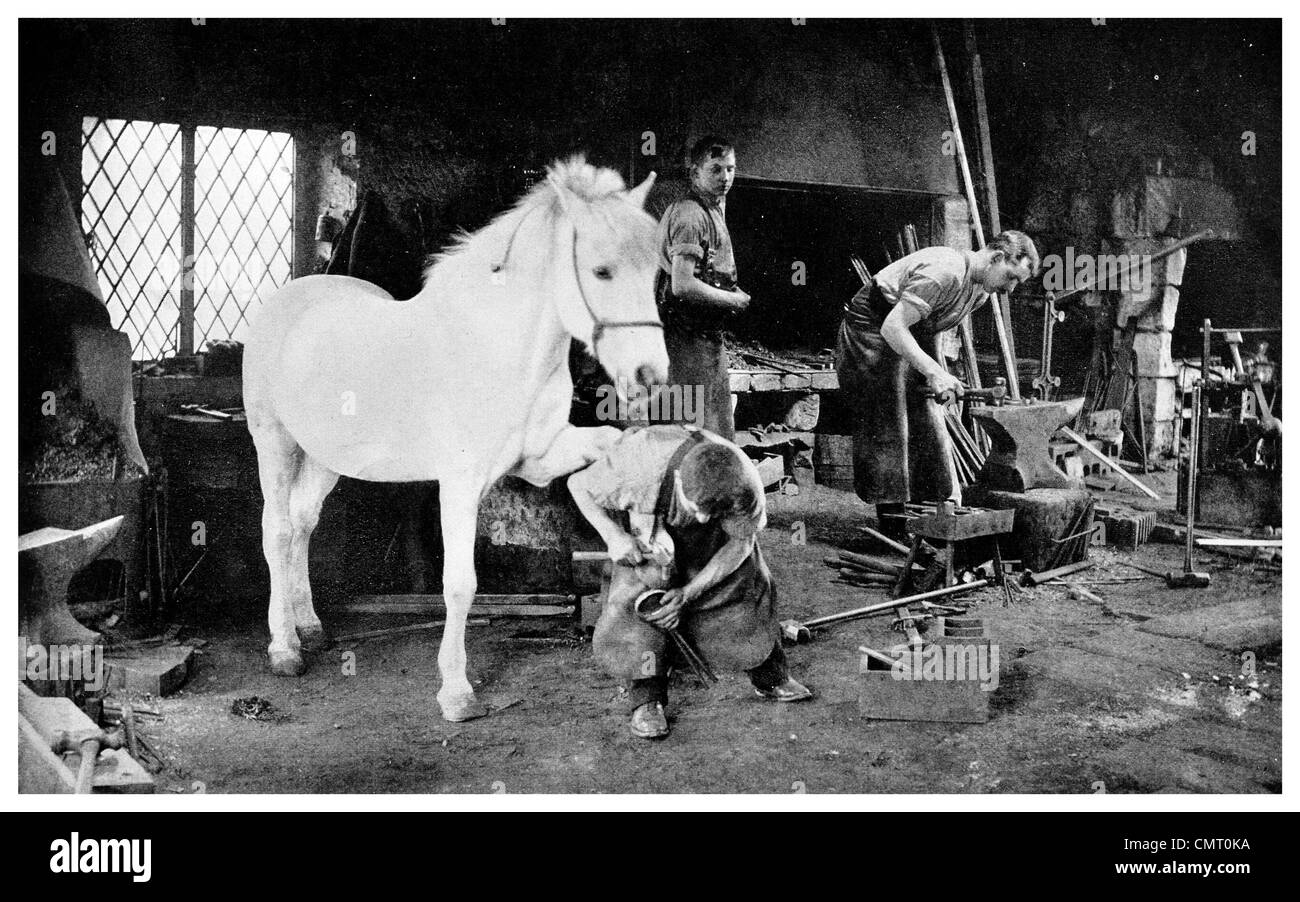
648 376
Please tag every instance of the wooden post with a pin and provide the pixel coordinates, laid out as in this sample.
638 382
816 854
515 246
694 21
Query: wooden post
1002 303
185 328
1008 358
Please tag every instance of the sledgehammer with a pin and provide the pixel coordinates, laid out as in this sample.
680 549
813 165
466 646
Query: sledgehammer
794 631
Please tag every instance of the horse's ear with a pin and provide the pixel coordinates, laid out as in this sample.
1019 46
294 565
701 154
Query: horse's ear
638 194
562 193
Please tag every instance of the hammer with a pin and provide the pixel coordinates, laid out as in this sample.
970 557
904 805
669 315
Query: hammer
88 743
1189 578
1174 580
995 394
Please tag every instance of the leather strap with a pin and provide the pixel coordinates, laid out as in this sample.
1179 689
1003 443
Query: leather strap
665 501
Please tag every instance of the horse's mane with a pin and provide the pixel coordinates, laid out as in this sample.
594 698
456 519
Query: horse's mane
586 182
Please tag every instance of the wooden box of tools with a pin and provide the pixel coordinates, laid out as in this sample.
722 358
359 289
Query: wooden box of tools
948 681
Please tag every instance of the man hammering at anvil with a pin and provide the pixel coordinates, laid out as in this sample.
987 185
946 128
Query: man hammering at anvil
693 505
900 442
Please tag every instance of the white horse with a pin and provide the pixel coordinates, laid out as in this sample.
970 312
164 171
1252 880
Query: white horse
464 383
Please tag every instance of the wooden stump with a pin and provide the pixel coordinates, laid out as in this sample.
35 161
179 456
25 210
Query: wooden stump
1043 516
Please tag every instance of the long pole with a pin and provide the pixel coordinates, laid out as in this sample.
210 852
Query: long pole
1009 364
967 335
1193 463
1002 314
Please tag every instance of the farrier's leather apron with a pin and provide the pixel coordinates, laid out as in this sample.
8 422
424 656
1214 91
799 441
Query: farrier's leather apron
733 625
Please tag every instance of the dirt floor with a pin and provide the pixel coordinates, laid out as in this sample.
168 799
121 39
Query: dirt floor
1141 693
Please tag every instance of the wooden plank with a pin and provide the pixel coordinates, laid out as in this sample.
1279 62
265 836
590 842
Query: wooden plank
1239 543
489 605
157 671
1115 468
403 630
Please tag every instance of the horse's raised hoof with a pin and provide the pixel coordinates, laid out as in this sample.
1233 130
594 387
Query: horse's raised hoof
313 639
461 707
287 664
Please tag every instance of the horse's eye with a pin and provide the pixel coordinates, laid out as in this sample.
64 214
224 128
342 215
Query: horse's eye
604 273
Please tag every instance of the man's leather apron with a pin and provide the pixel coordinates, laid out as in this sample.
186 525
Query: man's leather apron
900 441
733 625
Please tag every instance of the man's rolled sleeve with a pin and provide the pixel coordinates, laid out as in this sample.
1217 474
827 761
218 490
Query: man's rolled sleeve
688 229
913 293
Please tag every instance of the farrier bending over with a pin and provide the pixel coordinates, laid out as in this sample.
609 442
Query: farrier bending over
693 504
901 444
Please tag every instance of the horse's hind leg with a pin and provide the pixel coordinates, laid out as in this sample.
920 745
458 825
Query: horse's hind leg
278 459
313 483
459 510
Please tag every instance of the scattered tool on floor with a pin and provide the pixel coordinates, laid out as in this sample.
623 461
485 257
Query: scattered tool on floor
796 631
1076 591
207 411
1036 579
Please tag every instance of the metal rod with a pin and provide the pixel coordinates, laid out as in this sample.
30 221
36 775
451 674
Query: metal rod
1193 464
1172 249
895 603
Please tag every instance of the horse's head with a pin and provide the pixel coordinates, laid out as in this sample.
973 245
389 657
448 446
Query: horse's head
606 272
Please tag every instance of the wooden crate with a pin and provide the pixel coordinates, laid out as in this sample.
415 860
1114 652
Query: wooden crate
882 695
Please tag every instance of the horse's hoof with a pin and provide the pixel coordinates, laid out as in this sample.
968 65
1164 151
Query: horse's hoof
287 664
458 708
313 639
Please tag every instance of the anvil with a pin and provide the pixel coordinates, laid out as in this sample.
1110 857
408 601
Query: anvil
1020 459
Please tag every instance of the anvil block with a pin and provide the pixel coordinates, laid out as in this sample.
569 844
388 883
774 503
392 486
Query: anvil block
1020 460
50 558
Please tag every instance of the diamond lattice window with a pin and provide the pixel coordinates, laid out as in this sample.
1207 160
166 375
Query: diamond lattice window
243 217
142 217
131 213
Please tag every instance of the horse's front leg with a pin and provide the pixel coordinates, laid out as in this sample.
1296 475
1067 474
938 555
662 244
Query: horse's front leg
574 448
458 502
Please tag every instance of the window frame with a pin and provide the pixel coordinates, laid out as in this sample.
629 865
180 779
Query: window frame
188 183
